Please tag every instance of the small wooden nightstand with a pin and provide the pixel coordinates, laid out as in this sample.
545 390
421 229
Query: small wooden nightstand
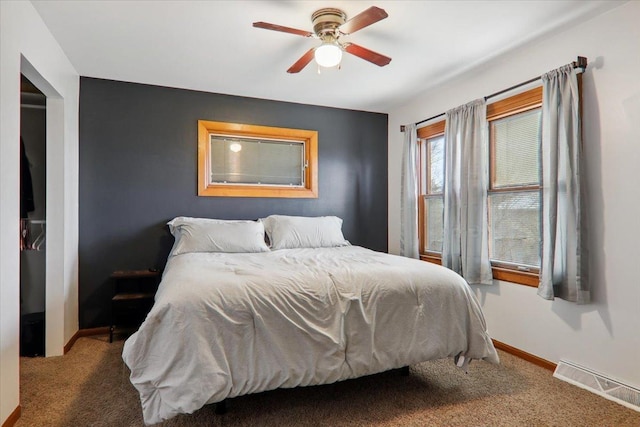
133 292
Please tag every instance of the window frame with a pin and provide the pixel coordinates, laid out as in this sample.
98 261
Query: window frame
425 133
519 103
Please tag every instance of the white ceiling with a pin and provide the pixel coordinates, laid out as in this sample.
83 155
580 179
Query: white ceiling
211 45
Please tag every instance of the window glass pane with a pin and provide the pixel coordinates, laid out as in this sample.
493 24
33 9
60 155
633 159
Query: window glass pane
252 161
433 208
517 149
424 147
515 227
436 163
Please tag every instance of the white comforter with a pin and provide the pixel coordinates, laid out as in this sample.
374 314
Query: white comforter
225 325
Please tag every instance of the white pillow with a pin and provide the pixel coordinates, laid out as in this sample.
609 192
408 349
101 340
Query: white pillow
216 235
290 232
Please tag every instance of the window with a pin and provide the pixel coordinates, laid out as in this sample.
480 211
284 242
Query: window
431 179
236 160
514 192
514 196
514 188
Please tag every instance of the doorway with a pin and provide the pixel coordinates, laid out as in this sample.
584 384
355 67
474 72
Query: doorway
32 219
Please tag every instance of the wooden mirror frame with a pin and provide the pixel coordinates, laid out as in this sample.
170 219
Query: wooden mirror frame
309 137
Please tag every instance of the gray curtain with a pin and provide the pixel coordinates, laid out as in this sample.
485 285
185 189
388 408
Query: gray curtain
409 194
465 248
562 269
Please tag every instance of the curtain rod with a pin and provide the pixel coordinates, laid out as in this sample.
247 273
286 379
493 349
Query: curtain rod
581 63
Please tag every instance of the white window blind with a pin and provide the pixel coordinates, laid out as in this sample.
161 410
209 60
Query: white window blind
514 198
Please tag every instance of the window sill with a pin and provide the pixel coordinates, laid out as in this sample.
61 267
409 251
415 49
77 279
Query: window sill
505 274
514 276
435 259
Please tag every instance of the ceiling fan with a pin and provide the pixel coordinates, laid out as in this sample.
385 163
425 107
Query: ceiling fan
329 24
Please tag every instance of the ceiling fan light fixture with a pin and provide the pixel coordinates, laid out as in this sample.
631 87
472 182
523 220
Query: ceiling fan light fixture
329 25
328 54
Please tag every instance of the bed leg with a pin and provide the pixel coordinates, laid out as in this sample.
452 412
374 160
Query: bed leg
221 407
404 371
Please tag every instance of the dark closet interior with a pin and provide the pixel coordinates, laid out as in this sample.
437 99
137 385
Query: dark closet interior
32 219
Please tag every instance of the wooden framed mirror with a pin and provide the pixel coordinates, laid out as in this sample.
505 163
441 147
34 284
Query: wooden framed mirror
239 160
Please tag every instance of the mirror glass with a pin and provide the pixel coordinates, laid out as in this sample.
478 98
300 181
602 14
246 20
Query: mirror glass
256 161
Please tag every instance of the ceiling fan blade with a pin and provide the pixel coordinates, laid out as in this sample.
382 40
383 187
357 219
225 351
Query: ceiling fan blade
363 19
302 62
274 27
367 55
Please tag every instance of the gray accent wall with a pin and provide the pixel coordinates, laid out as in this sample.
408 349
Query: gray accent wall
138 165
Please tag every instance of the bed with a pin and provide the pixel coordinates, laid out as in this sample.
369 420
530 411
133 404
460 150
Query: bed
239 320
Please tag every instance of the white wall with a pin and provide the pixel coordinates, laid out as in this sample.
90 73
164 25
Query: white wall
604 335
27 45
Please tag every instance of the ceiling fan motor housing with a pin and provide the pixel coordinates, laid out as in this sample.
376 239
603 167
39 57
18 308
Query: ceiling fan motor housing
326 22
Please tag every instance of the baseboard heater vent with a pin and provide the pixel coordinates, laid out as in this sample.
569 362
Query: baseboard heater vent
598 384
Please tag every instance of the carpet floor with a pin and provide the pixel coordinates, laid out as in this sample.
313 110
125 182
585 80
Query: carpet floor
89 386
